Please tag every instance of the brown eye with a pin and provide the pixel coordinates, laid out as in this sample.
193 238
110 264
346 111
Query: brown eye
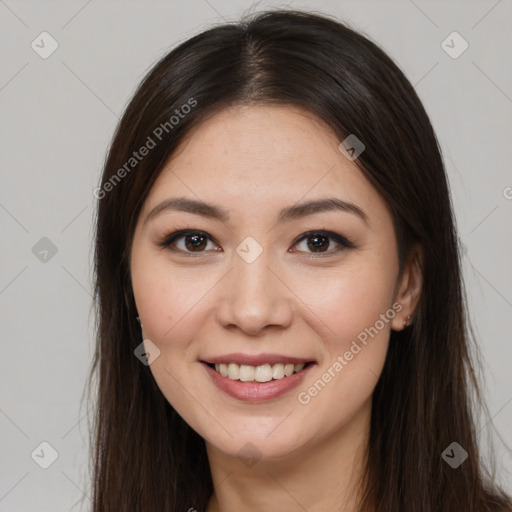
321 242
318 243
195 242
187 242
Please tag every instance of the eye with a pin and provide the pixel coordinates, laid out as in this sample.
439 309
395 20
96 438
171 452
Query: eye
320 241
187 241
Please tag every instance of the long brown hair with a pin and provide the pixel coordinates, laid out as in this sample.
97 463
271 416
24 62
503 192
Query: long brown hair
145 456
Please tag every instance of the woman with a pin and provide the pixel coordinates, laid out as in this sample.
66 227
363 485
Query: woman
281 315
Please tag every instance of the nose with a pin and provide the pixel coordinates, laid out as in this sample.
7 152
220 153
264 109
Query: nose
254 298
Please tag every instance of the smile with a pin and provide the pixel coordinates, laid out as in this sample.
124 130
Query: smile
256 378
262 373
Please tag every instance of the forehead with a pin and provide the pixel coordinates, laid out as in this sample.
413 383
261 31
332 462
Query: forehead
246 157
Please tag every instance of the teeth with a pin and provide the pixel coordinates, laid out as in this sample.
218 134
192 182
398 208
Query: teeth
278 371
288 369
246 373
262 373
233 371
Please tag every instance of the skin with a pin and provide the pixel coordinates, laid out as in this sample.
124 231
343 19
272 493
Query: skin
253 161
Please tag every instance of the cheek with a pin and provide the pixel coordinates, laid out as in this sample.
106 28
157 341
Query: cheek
355 312
155 302
348 302
168 302
165 297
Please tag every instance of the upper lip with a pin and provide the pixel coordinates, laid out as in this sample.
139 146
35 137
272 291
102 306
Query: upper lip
256 359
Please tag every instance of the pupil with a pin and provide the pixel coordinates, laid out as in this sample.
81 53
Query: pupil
318 242
196 242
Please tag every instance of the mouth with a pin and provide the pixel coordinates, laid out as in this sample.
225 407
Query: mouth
261 373
257 377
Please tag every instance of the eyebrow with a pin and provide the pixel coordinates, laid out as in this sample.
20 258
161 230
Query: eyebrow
287 214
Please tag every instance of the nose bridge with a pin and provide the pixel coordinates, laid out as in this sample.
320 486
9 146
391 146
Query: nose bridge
253 280
255 297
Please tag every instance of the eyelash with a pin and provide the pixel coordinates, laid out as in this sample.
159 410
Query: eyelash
343 242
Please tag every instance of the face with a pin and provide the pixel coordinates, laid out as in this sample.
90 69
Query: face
259 283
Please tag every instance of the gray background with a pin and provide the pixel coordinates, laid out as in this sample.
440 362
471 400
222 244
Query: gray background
58 115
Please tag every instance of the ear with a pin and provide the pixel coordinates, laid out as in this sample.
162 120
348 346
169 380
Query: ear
409 288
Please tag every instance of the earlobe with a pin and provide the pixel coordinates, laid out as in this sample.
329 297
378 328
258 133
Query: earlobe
409 289
407 321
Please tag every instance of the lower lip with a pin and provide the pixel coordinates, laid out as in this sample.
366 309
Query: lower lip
256 391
